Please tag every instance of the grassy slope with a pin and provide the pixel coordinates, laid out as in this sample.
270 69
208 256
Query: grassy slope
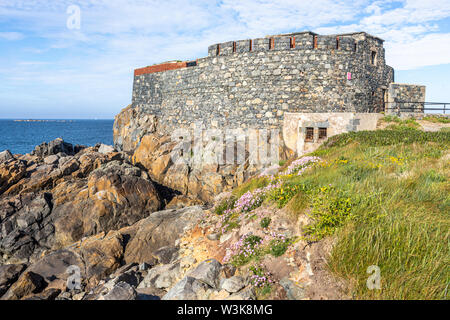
387 202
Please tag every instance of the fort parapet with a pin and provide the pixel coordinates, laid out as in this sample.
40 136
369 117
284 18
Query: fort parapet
254 82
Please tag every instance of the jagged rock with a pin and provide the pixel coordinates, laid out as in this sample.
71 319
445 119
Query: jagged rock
233 284
27 284
227 271
166 254
208 272
8 275
47 294
10 173
188 288
5 156
130 125
160 229
245 294
161 276
54 267
293 291
219 295
180 201
105 149
54 147
53 159
121 291
27 227
116 195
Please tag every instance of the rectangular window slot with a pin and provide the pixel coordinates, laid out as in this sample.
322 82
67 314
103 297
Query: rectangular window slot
315 42
271 43
322 133
218 50
292 42
234 46
337 43
373 58
309 136
251 45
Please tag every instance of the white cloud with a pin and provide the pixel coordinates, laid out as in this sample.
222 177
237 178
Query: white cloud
11 36
432 49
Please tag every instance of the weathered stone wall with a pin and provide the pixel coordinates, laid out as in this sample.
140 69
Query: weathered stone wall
295 125
405 98
252 83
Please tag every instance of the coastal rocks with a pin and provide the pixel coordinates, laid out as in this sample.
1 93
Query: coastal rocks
48 203
188 288
207 272
8 275
161 276
130 125
233 284
28 283
121 291
105 149
116 195
54 147
26 226
5 156
293 291
195 174
159 230
11 172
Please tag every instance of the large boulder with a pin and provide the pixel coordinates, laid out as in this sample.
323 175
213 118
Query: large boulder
5 156
207 272
159 230
28 283
10 173
188 288
8 275
121 291
116 195
54 147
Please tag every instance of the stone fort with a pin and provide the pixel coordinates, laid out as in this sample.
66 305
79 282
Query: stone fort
267 82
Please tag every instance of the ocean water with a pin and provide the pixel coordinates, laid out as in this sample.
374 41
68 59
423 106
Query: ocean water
22 136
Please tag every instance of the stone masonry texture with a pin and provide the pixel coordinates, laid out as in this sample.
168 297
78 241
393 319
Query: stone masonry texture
252 83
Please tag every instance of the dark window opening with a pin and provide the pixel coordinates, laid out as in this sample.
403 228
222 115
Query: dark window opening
251 45
271 43
322 133
292 44
355 47
337 43
315 42
218 50
234 46
373 58
309 137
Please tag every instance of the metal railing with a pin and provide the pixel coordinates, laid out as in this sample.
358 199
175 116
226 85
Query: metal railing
423 107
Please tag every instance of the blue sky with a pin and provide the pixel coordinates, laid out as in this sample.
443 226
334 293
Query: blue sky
48 70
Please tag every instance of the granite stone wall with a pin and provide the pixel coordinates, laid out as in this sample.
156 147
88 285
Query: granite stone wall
405 98
252 83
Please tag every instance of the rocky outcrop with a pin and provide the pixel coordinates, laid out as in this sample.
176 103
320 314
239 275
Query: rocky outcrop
5 156
49 199
139 133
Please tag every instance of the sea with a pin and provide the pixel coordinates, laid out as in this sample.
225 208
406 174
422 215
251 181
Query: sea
21 136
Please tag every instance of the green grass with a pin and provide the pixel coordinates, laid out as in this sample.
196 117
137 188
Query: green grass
388 204
411 122
437 119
